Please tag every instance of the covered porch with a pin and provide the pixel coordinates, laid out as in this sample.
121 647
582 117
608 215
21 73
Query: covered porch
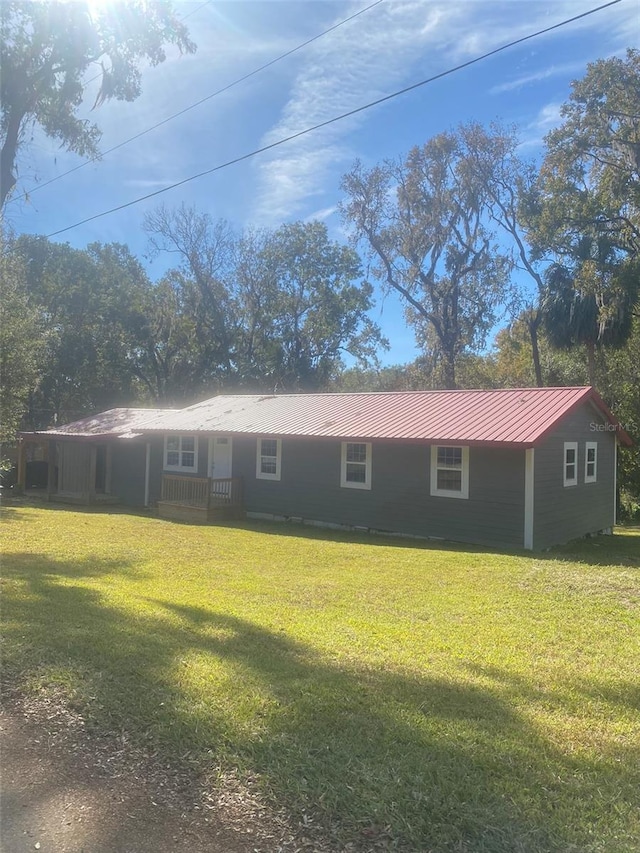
201 499
70 472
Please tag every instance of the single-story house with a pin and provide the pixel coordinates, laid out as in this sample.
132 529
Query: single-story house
525 468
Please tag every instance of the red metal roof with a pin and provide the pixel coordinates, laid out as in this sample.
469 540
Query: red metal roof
517 417
115 423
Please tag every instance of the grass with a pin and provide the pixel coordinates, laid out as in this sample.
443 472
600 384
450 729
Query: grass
422 697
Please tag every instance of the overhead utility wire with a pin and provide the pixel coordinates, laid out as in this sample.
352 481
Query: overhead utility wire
197 9
202 101
336 118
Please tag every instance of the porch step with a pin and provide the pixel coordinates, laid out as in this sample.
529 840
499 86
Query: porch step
198 514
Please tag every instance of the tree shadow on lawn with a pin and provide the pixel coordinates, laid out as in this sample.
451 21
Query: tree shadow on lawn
600 550
28 501
296 530
625 694
10 511
387 759
597 550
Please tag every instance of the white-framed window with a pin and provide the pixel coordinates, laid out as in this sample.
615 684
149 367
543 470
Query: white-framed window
268 458
355 468
181 453
570 467
449 471
591 462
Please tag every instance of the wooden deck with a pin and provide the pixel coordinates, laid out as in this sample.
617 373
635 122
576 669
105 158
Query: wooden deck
201 500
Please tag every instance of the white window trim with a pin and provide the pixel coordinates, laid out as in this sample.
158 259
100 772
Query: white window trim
449 493
349 484
191 469
591 445
260 475
569 481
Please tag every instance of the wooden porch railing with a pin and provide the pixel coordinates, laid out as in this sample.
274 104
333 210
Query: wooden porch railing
226 490
202 491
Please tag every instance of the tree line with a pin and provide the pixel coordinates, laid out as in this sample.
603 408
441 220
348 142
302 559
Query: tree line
467 233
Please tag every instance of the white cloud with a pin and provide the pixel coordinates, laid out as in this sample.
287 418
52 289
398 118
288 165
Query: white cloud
538 76
393 45
151 184
337 75
322 214
547 118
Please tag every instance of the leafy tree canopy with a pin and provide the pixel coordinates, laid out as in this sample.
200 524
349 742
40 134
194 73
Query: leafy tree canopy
47 50
93 304
583 212
589 182
21 340
272 310
424 221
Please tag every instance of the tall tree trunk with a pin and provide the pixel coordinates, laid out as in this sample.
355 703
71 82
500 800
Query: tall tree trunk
449 371
8 156
533 324
591 362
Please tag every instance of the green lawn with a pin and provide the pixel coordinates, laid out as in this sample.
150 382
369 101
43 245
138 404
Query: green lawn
444 698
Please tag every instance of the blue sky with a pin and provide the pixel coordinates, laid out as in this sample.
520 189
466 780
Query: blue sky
393 45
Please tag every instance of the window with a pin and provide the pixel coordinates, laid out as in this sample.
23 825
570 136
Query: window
449 471
571 463
180 453
268 459
355 470
591 462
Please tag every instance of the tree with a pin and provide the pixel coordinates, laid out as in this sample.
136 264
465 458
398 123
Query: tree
314 310
424 223
163 360
506 179
93 303
620 371
585 307
264 310
590 177
584 209
47 49
21 341
206 322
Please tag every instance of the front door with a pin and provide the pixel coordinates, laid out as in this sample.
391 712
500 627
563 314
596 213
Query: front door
220 450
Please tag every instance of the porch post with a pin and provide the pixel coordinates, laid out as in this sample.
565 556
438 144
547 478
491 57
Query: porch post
615 484
93 460
147 472
107 472
51 468
22 467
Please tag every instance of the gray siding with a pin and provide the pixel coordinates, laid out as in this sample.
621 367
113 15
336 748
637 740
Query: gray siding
129 463
128 468
563 512
155 473
157 464
399 498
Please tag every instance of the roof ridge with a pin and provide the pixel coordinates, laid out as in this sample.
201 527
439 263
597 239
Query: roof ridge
266 396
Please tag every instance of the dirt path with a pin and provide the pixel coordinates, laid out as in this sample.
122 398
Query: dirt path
66 792
53 801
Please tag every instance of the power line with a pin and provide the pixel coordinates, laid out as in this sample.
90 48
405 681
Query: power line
201 101
197 9
338 118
